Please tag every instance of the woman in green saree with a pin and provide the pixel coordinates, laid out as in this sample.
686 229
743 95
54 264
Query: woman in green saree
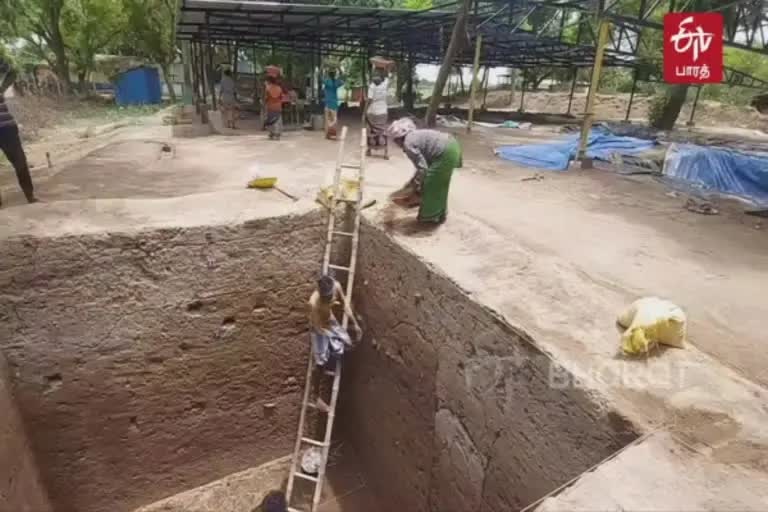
435 155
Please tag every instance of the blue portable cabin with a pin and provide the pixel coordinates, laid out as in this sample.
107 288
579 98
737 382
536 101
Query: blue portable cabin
138 86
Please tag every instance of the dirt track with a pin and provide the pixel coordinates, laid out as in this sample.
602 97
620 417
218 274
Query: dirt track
613 107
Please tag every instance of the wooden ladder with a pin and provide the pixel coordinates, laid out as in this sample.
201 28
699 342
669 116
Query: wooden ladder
303 440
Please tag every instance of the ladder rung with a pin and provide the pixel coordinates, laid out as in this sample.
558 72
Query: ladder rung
343 233
350 166
313 442
338 267
305 476
330 373
291 509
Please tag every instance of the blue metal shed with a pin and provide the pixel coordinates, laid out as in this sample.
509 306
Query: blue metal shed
138 86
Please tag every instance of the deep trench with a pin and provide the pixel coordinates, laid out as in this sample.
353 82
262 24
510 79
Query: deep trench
141 365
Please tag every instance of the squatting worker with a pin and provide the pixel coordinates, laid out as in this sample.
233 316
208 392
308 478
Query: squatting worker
10 142
435 156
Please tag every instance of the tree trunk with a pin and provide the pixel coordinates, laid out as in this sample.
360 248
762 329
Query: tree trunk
674 101
538 79
410 95
485 88
56 44
168 82
457 38
62 71
81 85
462 90
512 80
399 82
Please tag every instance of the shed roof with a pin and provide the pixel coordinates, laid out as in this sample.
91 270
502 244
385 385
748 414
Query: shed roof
396 33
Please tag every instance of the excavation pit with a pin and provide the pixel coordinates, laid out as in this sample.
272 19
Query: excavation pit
155 359
147 364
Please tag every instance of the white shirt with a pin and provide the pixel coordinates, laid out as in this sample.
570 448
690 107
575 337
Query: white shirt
377 95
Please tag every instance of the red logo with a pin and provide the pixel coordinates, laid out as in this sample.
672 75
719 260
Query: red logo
693 48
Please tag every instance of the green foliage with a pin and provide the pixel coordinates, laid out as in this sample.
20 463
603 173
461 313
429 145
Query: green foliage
752 63
656 109
89 26
417 5
151 27
7 58
39 24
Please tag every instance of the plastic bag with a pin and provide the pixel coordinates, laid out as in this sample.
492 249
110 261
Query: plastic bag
650 321
349 191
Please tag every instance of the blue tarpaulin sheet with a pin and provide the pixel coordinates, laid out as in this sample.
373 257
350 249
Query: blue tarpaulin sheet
556 155
721 170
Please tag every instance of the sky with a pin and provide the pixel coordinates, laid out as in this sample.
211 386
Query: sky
428 72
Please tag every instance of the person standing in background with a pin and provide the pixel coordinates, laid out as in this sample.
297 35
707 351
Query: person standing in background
331 89
10 141
273 95
376 114
228 99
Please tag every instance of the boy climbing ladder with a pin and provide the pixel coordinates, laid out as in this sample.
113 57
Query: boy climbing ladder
329 338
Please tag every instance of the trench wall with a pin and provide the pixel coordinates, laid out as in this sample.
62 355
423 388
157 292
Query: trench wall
449 407
21 489
147 364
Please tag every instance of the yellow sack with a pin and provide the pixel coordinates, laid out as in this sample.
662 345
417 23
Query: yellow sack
349 190
650 321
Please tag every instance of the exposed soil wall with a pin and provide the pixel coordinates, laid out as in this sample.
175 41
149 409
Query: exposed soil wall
450 408
21 489
147 364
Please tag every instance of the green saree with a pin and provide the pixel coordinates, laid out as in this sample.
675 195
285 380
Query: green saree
437 181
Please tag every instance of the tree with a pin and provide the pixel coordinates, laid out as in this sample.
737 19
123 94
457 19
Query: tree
457 38
666 114
151 25
39 24
90 25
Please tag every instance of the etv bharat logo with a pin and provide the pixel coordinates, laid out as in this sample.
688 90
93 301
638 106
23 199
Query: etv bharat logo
693 48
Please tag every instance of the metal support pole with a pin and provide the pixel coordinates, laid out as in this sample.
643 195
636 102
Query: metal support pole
319 74
635 75
186 63
203 79
602 40
631 95
522 95
409 98
693 108
573 89
211 76
235 62
195 78
473 87
363 101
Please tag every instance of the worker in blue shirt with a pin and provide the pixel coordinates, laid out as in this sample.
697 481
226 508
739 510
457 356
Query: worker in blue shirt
331 87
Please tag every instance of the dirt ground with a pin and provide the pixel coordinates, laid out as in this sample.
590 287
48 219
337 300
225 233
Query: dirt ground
613 107
558 257
631 223
345 489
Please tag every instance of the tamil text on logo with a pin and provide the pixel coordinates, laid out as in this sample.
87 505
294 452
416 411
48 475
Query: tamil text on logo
693 48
